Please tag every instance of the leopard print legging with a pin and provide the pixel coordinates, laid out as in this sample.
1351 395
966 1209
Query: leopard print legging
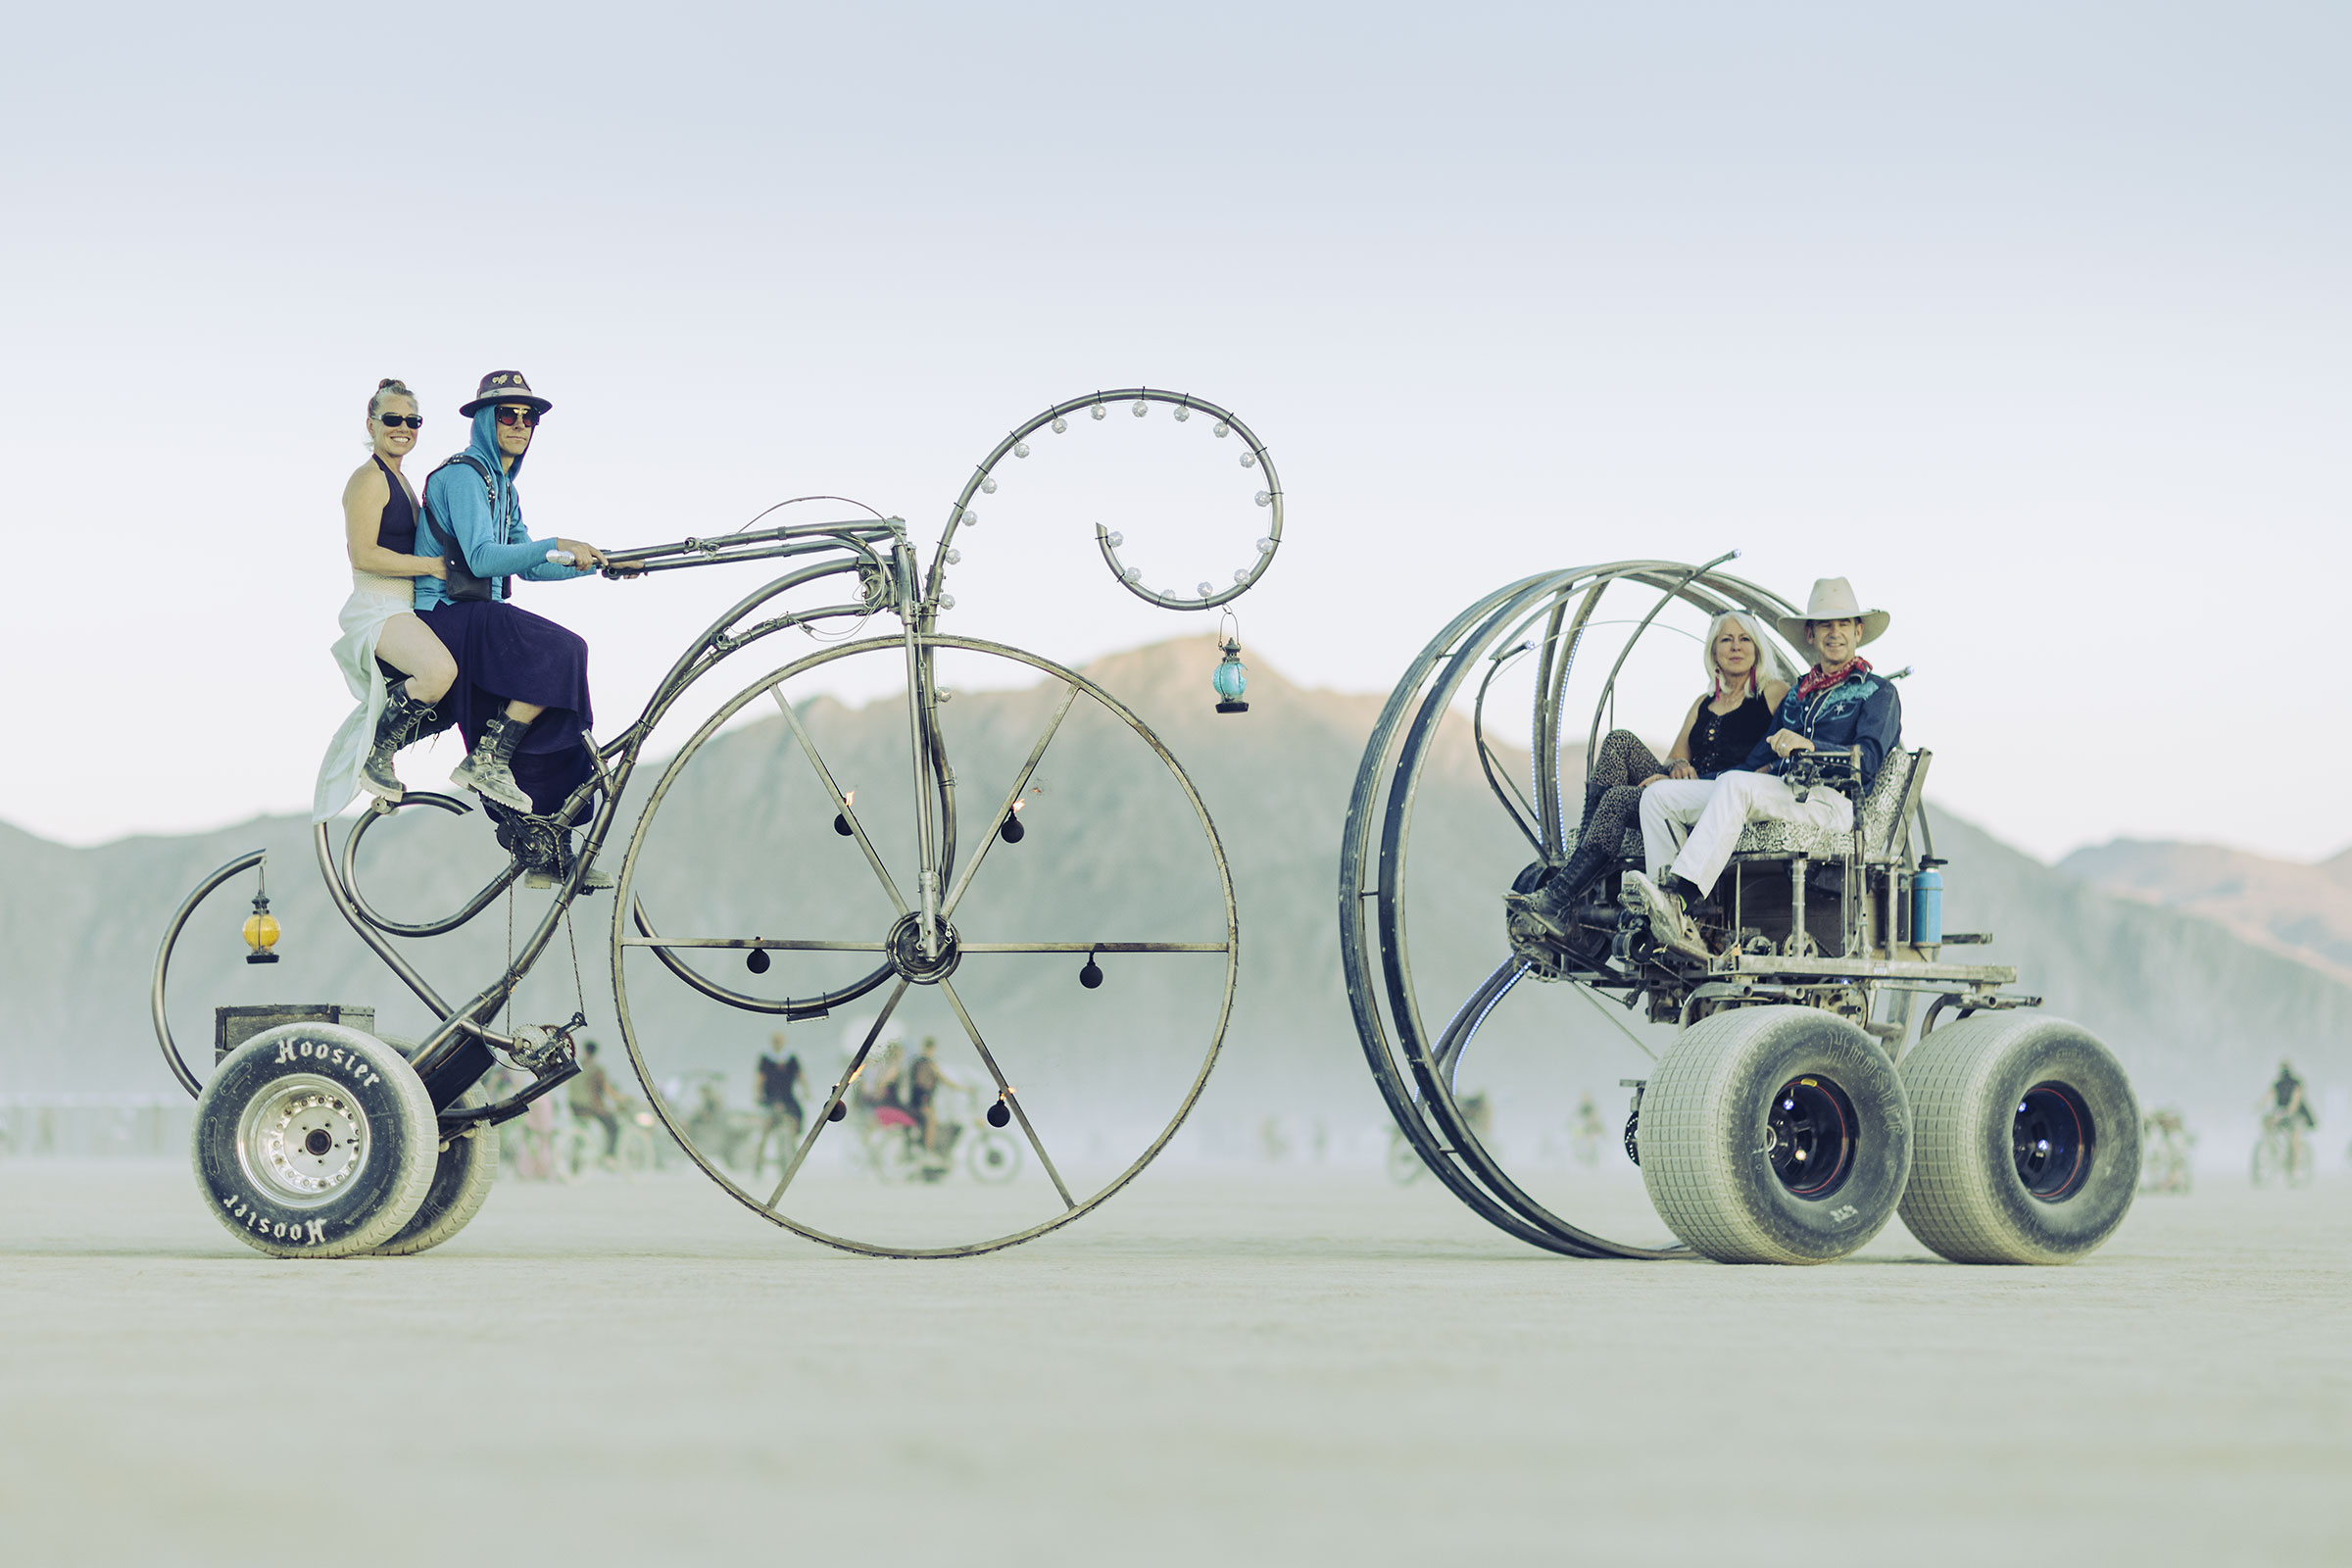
1612 801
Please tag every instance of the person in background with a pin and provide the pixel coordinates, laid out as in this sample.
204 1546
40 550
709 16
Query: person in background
778 1075
592 1098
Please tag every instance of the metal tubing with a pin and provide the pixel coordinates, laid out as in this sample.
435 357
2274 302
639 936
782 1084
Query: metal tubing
163 966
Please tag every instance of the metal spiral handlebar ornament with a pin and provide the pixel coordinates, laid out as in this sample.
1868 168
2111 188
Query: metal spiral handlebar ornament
912 854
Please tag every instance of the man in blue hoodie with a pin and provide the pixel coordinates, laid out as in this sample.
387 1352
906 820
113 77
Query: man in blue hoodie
1840 704
521 694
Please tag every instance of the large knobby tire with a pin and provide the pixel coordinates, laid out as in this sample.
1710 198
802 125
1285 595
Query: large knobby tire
1775 1134
463 1176
2029 1140
314 1139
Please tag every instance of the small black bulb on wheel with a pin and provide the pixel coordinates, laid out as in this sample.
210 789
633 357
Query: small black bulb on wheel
841 825
1092 975
757 961
1012 830
999 1114
841 1109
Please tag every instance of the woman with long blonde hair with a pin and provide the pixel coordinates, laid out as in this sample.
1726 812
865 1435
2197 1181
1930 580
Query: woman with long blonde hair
1744 686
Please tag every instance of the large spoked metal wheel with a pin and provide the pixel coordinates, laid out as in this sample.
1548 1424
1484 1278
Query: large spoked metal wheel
1007 886
1445 814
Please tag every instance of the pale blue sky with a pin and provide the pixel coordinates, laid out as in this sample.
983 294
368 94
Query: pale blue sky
2031 318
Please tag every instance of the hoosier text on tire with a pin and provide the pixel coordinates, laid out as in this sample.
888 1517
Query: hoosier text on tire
315 1140
1775 1134
2029 1140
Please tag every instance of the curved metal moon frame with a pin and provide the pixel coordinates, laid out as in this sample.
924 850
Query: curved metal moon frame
1548 617
908 969
886 567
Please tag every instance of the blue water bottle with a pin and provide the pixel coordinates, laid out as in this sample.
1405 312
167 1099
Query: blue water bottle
1927 904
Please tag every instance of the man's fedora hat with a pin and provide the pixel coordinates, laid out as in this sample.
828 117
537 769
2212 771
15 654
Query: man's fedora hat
505 386
1832 599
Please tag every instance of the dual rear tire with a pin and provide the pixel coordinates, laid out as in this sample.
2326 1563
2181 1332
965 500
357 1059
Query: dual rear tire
1785 1135
315 1140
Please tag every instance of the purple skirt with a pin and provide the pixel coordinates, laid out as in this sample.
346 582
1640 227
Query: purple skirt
505 655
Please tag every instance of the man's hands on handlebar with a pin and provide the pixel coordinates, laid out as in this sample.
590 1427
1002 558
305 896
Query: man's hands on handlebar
586 558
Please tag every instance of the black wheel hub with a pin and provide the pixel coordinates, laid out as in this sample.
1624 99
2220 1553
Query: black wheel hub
904 949
2051 1136
1812 1129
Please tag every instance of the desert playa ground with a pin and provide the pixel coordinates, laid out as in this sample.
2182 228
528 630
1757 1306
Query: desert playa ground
1288 1366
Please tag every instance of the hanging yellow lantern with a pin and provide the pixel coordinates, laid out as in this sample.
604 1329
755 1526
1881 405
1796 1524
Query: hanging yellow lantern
260 929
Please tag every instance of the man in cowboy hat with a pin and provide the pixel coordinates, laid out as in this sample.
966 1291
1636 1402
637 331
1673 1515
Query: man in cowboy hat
1840 704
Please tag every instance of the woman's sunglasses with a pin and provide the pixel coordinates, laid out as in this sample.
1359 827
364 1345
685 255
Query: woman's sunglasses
528 419
415 421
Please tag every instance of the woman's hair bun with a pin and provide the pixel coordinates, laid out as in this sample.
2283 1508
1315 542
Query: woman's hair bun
394 383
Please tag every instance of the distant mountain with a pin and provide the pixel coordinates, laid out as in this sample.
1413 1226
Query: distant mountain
743 846
2304 911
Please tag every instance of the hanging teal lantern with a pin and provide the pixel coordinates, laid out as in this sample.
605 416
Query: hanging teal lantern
1231 677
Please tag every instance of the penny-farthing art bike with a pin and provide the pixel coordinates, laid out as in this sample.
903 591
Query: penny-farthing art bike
1783 1110
936 884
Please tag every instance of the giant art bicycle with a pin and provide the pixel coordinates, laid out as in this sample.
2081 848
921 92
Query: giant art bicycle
840 896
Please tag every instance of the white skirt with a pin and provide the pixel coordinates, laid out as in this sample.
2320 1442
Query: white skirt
373 600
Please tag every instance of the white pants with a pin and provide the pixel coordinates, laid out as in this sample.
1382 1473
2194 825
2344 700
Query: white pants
1712 813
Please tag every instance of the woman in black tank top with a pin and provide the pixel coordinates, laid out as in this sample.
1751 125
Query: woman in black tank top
1723 724
396 667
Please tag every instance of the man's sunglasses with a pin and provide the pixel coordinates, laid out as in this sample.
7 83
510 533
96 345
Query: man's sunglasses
528 419
415 421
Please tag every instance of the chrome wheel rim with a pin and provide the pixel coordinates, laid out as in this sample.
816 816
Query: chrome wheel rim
303 1142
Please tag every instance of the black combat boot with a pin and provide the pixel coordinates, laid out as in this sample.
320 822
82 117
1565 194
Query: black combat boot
488 770
396 726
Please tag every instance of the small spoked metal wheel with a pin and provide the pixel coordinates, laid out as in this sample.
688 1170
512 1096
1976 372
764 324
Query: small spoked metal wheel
1000 889
315 1140
2029 1140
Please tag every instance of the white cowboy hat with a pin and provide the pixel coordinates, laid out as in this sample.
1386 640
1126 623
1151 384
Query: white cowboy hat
1832 599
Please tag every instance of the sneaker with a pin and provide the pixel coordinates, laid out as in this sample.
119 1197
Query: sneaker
1669 922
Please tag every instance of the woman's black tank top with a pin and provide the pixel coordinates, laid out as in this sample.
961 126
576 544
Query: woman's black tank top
1720 741
396 529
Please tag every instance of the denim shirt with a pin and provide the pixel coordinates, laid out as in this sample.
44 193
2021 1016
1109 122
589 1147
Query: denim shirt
1861 710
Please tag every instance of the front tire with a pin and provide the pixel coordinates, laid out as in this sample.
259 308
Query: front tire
2029 1140
314 1139
1775 1134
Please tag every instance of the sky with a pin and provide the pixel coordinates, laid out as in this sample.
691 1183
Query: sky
2030 320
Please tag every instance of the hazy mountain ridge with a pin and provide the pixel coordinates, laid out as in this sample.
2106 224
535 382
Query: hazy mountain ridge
2304 911
2199 1014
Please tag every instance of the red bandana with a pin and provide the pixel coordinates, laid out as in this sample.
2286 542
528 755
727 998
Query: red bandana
1818 679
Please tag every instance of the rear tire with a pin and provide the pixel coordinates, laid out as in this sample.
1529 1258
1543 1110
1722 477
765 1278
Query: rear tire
314 1139
1775 1134
463 1176
2029 1140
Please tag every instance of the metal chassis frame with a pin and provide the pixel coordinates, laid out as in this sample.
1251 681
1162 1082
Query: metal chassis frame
1374 857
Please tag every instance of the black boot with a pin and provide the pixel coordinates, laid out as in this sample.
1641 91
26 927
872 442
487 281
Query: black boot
395 727
488 770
